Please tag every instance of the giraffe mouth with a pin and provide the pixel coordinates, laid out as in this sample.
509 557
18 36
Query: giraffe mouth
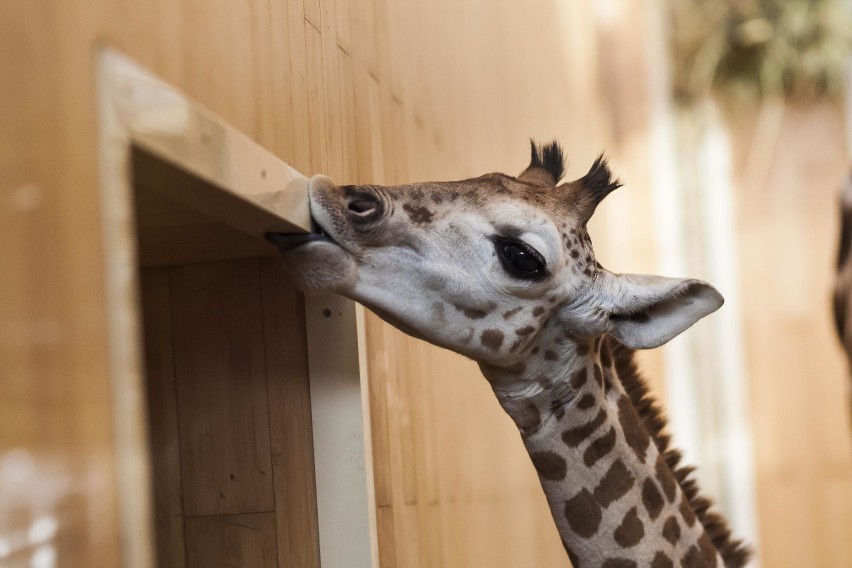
287 242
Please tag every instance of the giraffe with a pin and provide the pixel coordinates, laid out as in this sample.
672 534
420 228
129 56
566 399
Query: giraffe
843 279
501 269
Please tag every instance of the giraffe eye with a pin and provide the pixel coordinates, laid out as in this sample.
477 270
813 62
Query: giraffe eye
519 259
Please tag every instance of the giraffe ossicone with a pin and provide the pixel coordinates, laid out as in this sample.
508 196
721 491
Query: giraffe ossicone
501 269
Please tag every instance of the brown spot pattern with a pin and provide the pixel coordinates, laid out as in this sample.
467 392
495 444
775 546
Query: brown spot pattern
634 433
472 313
579 378
586 401
583 514
661 561
599 448
419 215
528 419
551 355
537 311
492 338
630 531
615 484
666 479
549 465
582 348
511 312
652 498
526 330
574 436
671 530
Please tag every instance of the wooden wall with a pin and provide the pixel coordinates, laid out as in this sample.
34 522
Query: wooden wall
230 416
383 91
790 163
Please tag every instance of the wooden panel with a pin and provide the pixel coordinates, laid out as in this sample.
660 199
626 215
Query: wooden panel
163 418
221 389
238 541
289 419
788 232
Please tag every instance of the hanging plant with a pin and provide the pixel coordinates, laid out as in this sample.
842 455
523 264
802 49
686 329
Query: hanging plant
759 48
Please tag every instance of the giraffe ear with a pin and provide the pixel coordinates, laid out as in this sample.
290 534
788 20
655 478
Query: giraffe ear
647 311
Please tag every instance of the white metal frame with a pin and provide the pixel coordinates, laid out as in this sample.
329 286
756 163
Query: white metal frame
137 110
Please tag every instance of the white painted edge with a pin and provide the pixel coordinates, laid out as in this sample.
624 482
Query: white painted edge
345 502
138 110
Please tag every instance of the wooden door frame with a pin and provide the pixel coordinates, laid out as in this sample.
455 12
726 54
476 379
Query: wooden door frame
248 188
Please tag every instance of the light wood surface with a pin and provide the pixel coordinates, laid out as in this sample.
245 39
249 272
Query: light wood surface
388 91
230 416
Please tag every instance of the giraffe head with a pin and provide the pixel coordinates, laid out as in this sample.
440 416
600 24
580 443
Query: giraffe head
483 266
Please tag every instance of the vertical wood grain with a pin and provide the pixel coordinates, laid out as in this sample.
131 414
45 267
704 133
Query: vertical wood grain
221 388
288 386
238 541
163 418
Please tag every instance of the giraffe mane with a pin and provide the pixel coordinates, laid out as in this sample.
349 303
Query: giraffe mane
734 552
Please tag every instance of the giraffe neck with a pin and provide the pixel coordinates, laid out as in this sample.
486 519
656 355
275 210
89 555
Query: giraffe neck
615 501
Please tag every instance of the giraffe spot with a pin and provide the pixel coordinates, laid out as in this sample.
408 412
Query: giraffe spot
551 355
537 311
666 479
586 401
419 215
582 348
661 561
652 498
528 419
587 272
508 314
472 313
630 531
634 433
686 511
615 484
692 558
606 354
526 330
583 514
599 448
535 350
492 338
618 563
573 436
578 379
575 254
671 530
609 381
549 465
517 368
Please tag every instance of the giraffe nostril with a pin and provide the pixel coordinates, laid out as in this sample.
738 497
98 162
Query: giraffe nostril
362 207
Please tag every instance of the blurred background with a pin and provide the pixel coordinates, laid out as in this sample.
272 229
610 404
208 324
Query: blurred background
727 120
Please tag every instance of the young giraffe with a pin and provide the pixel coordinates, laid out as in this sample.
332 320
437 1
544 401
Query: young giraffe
501 269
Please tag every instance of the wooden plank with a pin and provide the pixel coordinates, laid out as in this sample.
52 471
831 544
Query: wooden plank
348 133
331 90
288 387
316 99
162 419
312 13
221 388
300 125
236 541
